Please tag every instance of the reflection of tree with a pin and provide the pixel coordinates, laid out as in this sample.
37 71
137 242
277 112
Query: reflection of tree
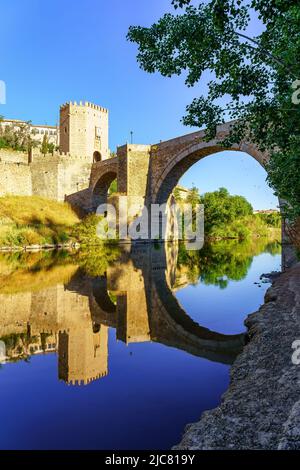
24 272
216 264
224 261
18 345
96 261
273 248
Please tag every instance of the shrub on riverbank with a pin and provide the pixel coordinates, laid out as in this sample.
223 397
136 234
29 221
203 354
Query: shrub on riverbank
227 216
34 220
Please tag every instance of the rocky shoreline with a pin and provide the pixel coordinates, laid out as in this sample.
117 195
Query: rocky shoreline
30 248
261 408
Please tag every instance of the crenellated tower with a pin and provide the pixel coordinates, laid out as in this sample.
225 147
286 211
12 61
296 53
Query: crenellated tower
84 130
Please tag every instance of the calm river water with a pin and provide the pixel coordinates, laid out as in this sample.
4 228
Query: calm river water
120 348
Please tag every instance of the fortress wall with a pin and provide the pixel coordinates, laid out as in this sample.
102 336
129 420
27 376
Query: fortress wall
11 156
84 129
55 309
64 129
73 176
14 313
44 175
54 177
15 179
138 169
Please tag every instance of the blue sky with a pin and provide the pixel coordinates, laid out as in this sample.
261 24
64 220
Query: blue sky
54 51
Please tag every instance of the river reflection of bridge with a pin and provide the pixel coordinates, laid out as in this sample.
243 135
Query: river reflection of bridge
134 297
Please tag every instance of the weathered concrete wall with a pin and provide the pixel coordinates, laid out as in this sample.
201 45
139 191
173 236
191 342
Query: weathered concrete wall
73 176
133 170
44 176
14 313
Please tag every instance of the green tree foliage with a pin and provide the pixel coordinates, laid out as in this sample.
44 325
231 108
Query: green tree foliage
17 137
225 215
253 79
228 216
51 148
177 194
45 145
193 197
273 219
86 231
113 187
95 262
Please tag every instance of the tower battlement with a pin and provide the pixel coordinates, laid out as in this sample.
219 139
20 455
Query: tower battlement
85 380
86 104
84 130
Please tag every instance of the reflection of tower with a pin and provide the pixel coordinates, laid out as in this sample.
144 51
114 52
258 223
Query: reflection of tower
83 355
127 283
132 317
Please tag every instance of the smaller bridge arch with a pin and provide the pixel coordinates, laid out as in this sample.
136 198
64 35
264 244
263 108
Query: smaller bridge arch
103 174
101 188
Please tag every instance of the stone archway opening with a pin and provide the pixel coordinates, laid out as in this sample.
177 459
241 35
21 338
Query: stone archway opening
104 187
179 164
97 157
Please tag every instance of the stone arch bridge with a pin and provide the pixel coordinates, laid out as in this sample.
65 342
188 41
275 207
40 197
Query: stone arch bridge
147 174
152 171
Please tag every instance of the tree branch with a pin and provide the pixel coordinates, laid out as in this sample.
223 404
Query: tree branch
267 53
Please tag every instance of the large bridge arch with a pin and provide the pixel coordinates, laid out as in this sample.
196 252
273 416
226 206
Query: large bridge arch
179 160
172 159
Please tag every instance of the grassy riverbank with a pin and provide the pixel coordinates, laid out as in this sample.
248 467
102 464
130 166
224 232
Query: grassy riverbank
35 221
27 221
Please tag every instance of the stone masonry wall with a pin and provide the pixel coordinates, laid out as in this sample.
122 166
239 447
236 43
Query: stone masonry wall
54 177
11 156
44 175
15 178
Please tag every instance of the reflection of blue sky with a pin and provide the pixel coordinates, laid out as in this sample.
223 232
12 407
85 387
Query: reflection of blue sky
150 394
224 310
